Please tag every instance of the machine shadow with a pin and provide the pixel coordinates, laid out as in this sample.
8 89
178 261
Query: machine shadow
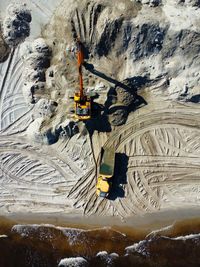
101 112
134 83
119 179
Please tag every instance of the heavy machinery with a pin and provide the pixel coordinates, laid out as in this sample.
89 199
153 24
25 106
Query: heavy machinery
82 102
106 172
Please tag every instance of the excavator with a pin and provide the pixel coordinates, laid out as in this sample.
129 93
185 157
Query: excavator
82 102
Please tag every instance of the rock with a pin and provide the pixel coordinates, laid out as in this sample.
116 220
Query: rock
39 45
37 61
69 129
34 75
192 3
21 12
117 114
16 24
73 262
36 58
106 258
194 99
38 133
28 92
149 40
31 89
102 254
152 3
45 108
125 96
4 49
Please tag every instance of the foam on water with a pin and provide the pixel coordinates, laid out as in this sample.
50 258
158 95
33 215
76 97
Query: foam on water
49 245
73 262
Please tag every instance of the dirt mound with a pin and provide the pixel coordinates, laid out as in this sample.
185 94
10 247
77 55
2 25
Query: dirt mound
16 24
125 96
117 114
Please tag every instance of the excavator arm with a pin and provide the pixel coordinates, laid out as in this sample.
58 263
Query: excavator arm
80 58
82 102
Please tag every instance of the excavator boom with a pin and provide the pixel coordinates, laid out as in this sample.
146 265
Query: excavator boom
82 102
80 58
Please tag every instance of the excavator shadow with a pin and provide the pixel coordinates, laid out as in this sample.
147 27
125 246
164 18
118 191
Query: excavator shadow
135 82
119 179
99 120
100 125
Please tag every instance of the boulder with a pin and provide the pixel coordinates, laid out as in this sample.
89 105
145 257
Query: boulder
73 262
117 114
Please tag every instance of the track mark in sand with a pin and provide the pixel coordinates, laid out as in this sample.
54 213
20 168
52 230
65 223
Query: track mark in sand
12 102
161 163
179 166
42 8
6 75
33 176
20 125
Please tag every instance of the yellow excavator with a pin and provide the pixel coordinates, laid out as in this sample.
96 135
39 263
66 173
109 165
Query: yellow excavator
82 102
106 172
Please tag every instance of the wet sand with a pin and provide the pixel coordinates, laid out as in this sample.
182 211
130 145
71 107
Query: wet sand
149 221
171 222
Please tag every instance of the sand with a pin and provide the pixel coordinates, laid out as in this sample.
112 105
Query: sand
158 148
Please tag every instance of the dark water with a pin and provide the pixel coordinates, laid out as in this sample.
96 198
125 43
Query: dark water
45 245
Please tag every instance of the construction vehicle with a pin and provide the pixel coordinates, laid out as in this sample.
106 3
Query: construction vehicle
82 102
106 172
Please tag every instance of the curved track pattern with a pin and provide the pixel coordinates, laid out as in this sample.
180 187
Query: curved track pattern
163 166
13 107
38 177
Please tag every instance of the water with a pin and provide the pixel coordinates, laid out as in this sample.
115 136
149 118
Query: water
35 245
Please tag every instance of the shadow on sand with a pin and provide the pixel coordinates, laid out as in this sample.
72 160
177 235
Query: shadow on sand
120 176
100 122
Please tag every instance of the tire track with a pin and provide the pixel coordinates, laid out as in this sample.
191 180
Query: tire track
5 78
142 121
38 156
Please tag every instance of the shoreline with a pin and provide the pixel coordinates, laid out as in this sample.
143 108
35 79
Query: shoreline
139 225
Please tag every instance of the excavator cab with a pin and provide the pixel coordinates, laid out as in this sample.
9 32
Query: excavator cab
82 107
82 102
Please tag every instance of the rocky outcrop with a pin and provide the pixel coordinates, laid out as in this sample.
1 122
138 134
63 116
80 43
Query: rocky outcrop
117 114
16 26
36 57
4 48
152 3
193 3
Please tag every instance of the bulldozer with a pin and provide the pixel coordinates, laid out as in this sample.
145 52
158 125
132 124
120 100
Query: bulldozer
106 172
82 102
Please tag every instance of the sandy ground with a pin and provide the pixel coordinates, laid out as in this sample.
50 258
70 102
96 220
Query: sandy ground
159 146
